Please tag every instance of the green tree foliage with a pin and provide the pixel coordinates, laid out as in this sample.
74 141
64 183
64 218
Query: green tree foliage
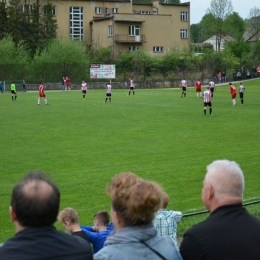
3 18
235 25
238 47
13 58
195 33
66 58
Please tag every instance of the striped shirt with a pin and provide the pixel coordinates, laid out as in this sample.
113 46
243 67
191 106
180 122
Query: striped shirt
207 96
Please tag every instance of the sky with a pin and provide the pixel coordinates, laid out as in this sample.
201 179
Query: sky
198 8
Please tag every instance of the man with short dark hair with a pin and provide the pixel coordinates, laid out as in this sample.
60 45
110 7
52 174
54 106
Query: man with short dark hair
230 232
34 208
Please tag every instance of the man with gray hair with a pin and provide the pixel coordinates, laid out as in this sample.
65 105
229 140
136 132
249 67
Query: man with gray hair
230 232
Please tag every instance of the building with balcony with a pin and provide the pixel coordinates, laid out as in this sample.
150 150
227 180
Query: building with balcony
124 26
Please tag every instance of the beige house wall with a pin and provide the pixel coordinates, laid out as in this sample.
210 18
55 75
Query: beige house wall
161 27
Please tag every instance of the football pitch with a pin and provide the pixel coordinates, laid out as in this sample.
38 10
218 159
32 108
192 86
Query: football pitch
156 134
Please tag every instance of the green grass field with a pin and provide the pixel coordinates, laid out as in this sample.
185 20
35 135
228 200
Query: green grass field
155 134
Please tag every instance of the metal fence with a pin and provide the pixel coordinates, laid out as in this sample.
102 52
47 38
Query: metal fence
189 220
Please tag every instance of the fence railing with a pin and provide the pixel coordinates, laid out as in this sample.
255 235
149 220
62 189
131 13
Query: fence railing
189 220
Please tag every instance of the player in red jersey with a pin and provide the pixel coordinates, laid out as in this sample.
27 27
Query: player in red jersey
67 83
233 93
198 87
42 95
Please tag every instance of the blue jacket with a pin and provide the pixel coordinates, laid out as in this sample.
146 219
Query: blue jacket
97 239
125 244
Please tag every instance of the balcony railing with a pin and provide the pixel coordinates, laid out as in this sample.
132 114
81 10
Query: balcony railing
127 38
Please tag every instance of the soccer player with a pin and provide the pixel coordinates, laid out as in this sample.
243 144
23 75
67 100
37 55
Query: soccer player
13 91
42 95
198 87
67 83
241 93
108 91
84 88
233 93
207 101
183 86
132 86
211 87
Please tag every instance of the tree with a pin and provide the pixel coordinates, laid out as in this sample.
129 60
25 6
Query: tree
13 57
220 10
3 18
239 47
235 25
254 22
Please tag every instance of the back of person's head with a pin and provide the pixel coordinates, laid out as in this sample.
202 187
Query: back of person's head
165 200
36 200
134 199
226 177
68 214
102 217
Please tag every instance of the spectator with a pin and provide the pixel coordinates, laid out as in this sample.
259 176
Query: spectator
63 83
230 232
34 208
67 83
219 77
99 232
1 87
165 221
133 204
224 79
258 71
69 218
24 86
254 72
234 75
243 73
238 75
248 75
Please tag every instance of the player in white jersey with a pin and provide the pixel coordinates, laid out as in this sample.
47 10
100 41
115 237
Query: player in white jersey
132 86
211 87
108 91
184 87
207 101
241 93
84 88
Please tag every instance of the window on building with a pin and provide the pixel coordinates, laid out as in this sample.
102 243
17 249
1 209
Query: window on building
134 30
107 10
110 30
27 9
184 33
145 12
184 16
158 49
111 48
115 10
76 23
133 48
53 10
154 12
98 10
